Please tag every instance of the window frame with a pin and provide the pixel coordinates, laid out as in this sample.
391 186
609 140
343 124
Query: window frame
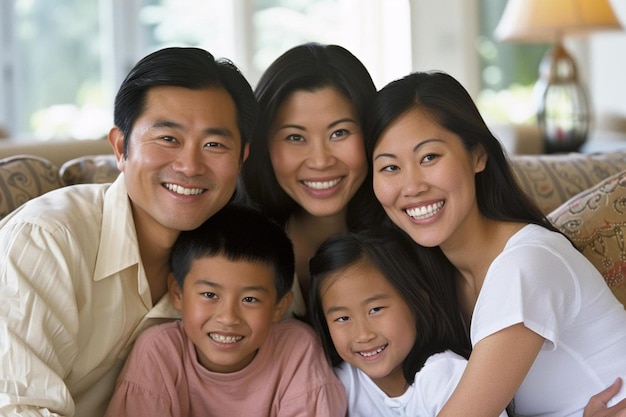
433 45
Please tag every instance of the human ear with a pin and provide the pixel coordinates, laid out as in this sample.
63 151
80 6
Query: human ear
479 157
246 152
116 140
175 294
282 306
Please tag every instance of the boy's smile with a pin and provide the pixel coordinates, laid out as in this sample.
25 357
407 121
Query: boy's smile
228 308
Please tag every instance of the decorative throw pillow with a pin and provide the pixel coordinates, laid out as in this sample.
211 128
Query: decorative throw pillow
595 220
24 177
89 169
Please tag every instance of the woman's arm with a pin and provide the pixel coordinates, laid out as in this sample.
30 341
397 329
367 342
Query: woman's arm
496 368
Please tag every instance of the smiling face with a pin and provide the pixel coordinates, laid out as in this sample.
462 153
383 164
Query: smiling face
425 180
228 308
183 159
317 150
370 324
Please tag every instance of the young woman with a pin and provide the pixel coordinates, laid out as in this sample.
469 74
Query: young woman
546 330
307 163
394 348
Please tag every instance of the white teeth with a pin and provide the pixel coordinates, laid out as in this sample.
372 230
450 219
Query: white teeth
225 339
375 352
322 185
424 212
182 190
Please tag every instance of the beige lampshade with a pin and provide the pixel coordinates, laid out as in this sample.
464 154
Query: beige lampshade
547 20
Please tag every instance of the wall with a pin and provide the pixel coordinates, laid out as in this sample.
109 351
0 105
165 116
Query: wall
443 38
607 69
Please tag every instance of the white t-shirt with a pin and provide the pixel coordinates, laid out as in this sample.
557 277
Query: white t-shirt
433 385
541 280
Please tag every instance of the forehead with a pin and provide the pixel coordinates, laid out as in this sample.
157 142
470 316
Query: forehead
408 129
360 280
212 105
232 275
305 103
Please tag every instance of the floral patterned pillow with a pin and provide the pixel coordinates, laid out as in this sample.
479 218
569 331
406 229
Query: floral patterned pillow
595 220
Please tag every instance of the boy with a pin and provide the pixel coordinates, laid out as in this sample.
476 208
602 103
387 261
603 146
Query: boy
231 354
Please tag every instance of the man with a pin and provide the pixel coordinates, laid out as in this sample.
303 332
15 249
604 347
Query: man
84 269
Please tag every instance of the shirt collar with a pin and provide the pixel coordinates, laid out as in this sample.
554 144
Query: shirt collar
118 249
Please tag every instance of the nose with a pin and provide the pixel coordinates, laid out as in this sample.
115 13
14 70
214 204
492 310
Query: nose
227 313
189 161
363 332
412 182
320 155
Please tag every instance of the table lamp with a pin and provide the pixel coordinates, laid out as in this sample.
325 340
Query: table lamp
563 109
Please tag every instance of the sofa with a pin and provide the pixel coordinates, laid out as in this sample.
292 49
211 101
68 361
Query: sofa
584 195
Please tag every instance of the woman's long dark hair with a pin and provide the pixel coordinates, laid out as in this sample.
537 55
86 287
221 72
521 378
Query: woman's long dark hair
308 67
448 103
417 279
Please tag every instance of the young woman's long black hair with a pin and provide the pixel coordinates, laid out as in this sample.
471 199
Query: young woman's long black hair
448 104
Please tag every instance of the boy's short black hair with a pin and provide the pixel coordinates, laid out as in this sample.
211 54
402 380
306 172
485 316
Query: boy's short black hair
239 234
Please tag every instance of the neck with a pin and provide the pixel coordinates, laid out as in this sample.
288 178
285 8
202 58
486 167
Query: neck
316 229
394 384
307 233
155 245
473 257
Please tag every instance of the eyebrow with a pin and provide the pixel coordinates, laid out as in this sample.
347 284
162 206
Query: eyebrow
344 120
209 131
375 297
333 124
415 148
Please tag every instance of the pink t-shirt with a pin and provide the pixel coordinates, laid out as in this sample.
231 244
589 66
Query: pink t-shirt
289 376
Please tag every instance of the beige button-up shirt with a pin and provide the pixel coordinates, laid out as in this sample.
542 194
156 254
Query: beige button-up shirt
73 298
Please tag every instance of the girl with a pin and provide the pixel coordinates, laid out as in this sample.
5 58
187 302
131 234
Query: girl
544 326
307 163
395 349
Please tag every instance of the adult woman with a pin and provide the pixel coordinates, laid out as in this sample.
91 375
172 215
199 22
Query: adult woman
545 329
307 162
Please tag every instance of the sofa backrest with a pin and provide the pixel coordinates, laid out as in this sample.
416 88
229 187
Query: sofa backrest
89 169
23 177
551 180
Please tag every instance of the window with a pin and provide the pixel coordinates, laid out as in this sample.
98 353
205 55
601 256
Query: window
63 60
508 71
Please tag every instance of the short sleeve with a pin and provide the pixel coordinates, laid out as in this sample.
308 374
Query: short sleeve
142 387
530 284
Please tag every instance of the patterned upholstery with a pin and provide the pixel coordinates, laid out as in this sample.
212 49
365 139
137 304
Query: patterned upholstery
595 220
550 180
583 195
24 177
89 169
